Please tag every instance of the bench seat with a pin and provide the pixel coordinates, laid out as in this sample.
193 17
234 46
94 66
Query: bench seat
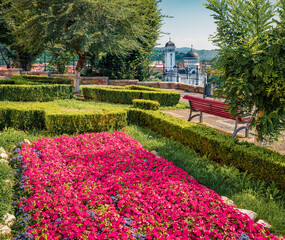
215 108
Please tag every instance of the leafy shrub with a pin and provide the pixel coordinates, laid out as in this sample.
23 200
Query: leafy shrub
80 122
5 189
21 118
42 79
263 163
7 81
146 104
40 116
126 95
41 93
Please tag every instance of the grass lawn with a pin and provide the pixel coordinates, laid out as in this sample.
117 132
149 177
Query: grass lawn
261 197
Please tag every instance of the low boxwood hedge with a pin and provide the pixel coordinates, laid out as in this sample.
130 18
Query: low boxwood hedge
41 93
7 81
42 79
263 163
126 95
80 122
51 117
146 104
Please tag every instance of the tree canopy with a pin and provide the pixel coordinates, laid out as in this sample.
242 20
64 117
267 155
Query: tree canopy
251 38
86 26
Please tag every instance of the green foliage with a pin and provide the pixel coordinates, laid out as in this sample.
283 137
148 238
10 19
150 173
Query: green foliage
5 189
7 82
41 79
57 121
263 163
146 104
127 94
21 118
80 122
88 27
41 93
251 61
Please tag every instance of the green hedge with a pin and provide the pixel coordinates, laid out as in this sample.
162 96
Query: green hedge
42 79
51 117
263 163
7 81
24 119
126 95
41 93
146 104
76 122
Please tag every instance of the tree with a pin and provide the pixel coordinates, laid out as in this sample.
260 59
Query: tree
86 27
251 61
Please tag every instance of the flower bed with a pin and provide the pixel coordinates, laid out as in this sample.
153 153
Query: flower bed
107 186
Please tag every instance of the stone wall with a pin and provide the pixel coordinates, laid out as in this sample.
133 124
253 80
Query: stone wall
63 75
94 80
123 82
9 72
44 73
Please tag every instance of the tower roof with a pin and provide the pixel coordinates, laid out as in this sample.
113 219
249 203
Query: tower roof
169 43
192 54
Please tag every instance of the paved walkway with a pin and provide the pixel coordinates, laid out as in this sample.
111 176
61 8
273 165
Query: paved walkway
221 124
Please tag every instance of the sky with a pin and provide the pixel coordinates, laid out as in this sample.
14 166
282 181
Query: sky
191 24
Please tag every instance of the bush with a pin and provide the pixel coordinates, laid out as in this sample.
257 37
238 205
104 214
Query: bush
6 173
51 117
80 122
126 95
42 79
41 93
7 81
24 119
263 163
146 104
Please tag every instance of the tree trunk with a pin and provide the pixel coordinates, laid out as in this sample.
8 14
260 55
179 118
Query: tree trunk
256 137
78 68
7 63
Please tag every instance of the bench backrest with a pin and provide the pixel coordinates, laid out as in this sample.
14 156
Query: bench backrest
210 106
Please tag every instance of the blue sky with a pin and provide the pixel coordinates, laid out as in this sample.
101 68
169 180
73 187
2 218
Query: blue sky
191 24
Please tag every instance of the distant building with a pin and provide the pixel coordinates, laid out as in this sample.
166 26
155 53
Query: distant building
190 72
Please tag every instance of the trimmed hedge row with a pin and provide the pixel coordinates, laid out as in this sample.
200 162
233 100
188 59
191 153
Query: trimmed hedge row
126 95
58 121
146 104
43 79
7 81
263 163
41 93
74 122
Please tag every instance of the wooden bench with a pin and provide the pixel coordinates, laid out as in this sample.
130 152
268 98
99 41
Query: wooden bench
215 108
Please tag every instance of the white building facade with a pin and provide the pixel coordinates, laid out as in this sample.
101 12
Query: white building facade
191 72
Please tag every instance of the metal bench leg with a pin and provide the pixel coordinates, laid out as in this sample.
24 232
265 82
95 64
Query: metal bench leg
241 128
201 117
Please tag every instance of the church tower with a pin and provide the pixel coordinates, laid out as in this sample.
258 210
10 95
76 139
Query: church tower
169 56
169 52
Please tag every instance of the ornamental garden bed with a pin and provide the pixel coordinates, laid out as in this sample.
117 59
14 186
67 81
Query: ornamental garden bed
107 186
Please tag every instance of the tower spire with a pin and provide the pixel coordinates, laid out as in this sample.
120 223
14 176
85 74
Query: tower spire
191 47
169 39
